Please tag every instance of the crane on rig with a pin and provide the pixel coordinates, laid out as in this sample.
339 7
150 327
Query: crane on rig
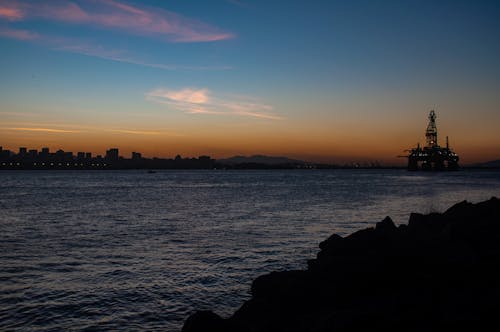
431 134
432 157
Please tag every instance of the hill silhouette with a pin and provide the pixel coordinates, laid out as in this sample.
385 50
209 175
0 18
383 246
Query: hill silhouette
260 159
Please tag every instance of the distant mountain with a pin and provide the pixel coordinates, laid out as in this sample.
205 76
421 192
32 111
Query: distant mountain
259 159
491 163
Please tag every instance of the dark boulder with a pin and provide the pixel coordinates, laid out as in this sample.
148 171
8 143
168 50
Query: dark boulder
386 225
330 242
204 321
439 272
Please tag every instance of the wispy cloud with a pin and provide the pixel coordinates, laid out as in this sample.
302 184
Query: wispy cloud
19 114
98 51
18 34
140 132
115 15
45 130
10 13
203 101
73 129
106 14
121 56
136 132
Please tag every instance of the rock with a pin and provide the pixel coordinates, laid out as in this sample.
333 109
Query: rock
439 272
457 209
204 321
331 241
386 225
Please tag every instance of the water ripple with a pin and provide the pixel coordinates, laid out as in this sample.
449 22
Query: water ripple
132 251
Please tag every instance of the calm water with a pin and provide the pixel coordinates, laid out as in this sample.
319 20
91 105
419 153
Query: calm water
135 251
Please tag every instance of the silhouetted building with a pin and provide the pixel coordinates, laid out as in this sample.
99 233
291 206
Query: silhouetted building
5 154
44 154
112 154
32 159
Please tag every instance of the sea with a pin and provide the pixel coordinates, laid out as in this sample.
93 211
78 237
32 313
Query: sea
139 251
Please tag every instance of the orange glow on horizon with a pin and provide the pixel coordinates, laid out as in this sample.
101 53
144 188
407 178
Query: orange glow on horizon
315 148
338 136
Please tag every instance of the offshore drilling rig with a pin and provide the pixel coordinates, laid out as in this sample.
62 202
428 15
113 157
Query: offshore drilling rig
432 157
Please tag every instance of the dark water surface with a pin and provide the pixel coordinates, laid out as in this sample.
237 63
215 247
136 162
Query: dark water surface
127 250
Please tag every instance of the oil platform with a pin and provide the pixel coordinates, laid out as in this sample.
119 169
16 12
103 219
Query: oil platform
432 157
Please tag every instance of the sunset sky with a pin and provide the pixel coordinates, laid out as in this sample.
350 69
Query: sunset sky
329 81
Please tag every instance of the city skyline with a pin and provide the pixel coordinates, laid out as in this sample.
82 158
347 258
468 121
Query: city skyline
328 81
45 159
111 154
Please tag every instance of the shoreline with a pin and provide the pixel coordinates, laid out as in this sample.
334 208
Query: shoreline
251 169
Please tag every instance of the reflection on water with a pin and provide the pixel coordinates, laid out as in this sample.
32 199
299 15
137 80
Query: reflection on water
131 250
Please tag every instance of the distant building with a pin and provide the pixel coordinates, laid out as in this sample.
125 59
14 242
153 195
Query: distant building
44 154
112 154
34 159
5 154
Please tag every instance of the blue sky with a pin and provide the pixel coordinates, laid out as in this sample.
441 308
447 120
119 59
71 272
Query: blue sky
322 80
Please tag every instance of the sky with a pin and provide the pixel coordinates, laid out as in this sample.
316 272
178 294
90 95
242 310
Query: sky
326 81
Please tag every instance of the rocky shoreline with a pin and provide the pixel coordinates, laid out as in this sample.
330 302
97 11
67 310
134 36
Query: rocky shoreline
439 272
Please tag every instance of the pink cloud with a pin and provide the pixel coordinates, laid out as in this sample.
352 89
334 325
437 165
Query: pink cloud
202 101
192 96
126 7
69 12
10 13
116 15
18 34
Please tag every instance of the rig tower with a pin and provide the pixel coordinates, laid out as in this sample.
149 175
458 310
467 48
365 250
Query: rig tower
431 134
432 157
